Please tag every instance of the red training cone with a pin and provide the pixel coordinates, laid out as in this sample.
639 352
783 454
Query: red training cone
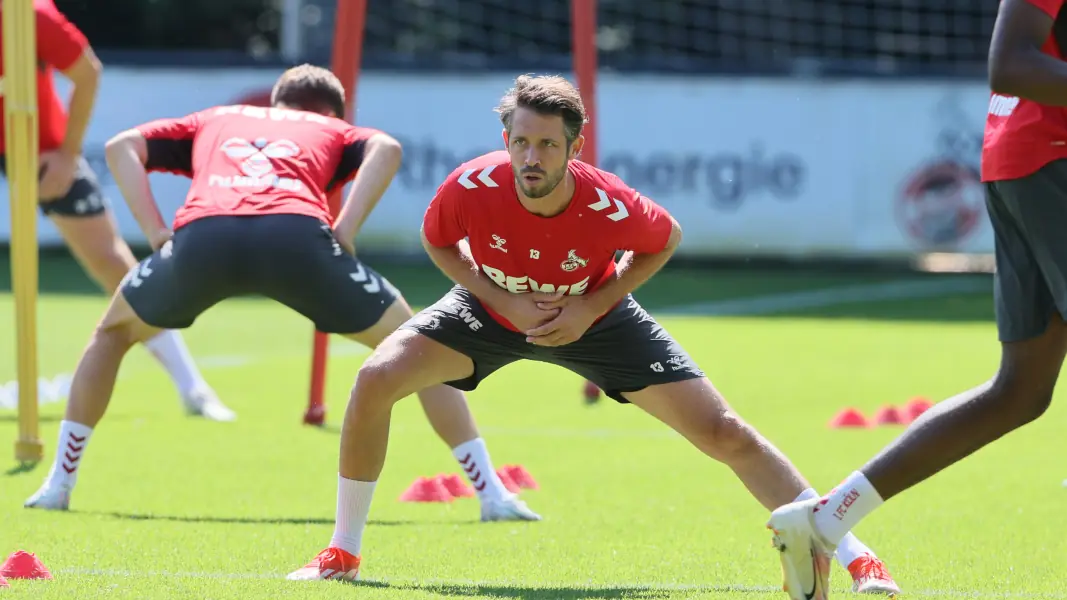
4 583
590 392
917 406
426 489
508 482
849 417
455 485
889 415
24 565
521 477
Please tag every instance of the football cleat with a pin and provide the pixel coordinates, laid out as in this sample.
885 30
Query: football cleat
332 563
870 576
49 497
204 403
508 508
804 554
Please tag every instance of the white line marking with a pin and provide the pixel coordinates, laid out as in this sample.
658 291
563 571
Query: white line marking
430 583
822 298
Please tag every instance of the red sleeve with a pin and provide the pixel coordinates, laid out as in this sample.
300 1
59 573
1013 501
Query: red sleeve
170 143
443 223
1052 7
355 146
59 42
648 227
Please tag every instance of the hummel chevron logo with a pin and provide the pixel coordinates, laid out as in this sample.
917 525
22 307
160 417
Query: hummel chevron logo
483 176
361 275
605 202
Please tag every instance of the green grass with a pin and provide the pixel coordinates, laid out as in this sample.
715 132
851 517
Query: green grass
173 507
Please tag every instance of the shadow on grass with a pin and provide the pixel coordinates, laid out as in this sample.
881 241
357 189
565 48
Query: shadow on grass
518 591
240 520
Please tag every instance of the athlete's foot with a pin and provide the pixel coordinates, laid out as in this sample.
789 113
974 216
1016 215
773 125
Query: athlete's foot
203 402
870 576
331 563
805 555
50 497
508 508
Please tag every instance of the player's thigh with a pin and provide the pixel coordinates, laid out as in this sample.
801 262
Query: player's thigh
198 268
474 341
122 321
95 242
626 351
407 362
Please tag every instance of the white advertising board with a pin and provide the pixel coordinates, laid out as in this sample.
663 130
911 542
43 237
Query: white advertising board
748 166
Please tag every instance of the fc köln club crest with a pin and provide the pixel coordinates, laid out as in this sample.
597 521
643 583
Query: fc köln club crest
573 262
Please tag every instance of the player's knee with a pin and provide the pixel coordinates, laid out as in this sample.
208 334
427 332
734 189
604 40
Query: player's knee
379 384
1021 399
727 437
114 339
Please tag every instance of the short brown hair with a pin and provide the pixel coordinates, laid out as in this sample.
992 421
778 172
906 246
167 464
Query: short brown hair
546 95
310 88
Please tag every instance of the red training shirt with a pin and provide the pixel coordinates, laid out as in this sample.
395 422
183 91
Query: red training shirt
1021 136
59 45
523 252
249 160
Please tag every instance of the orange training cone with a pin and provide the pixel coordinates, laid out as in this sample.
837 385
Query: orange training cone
917 407
521 477
590 392
889 415
426 489
849 417
24 565
455 485
508 482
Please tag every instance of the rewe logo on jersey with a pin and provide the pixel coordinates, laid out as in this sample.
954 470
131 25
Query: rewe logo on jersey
520 285
254 160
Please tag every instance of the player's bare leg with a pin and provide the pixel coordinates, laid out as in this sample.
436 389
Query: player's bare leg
449 414
90 393
695 409
96 244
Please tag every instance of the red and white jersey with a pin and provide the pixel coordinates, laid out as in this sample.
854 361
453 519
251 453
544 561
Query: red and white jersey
1021 136
59 45
249 160
523 252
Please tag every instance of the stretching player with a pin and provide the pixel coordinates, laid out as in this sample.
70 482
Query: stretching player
70 195
1025 175
256 221
539 282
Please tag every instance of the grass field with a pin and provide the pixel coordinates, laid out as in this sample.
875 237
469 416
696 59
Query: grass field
173 507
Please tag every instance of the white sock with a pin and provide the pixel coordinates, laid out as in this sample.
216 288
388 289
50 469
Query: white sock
353 506
169 349
73 438
850 547
843 508
473 458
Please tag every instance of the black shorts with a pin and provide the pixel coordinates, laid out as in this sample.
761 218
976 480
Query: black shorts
625 351
1029 217
84 199
293 259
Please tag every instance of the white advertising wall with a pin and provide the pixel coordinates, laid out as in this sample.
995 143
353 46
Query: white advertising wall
778 167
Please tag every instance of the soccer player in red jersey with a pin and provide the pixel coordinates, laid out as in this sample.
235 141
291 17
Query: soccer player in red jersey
1024 169
256 222
71 197
529 235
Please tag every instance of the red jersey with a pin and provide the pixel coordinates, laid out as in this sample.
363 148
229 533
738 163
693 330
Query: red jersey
59 45
249 160
523 252
1021 136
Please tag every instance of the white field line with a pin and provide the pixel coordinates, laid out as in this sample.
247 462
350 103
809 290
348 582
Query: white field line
826 297
430 583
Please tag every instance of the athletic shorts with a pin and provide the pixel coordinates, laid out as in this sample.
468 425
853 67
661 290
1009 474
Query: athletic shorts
84 199
292 259
1029 217
626 351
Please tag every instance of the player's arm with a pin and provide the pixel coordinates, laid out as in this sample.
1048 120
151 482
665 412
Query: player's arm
637 267
1017 66
164 145
62 45
375 159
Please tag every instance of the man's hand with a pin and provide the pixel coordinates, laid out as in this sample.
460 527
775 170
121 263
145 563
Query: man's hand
59 169
522 310
576 316
159 238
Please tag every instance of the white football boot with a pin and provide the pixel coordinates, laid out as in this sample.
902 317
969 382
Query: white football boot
50 497
203 402
805 555
508 508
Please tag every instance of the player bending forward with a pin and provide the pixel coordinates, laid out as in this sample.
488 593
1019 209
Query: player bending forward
539 220
256 221
70 194
1024 167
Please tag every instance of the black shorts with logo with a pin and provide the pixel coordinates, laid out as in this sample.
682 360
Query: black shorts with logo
292 259
85 198
1029 217
625 351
